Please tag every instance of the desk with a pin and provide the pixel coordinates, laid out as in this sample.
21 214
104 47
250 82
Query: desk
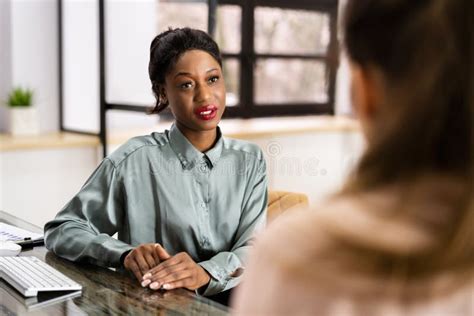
106 291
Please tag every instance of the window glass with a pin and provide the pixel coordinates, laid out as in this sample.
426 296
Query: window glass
290 81
232 81
228 28
283 31
175 13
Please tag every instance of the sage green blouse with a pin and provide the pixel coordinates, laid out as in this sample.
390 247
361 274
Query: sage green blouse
161 189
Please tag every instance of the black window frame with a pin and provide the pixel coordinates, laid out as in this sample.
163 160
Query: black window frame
247 107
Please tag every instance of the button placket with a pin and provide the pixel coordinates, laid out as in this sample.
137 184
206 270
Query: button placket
202 174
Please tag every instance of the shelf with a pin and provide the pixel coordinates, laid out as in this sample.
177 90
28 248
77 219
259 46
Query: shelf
46 141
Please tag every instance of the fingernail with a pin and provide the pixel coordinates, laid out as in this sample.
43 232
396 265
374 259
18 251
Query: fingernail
145 283
166 286
155 285
147 276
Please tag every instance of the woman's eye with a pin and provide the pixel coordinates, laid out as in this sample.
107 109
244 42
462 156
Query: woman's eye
214 79
186 85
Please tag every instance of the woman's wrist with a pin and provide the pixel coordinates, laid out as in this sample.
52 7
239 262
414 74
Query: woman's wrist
206 278
123 256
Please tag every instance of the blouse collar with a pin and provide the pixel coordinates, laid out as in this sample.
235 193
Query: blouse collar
187 154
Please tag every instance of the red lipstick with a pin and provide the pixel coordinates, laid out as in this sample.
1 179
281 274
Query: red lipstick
206 112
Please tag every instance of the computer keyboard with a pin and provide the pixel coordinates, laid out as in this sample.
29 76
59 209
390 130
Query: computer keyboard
29 275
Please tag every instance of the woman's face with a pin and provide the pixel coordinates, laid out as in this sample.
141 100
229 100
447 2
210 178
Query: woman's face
195 90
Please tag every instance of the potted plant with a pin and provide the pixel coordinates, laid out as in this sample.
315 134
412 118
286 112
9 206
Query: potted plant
23 115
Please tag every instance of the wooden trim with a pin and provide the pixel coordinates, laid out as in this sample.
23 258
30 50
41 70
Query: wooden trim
47 141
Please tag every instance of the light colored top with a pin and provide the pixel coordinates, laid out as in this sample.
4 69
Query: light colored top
343 259
161 189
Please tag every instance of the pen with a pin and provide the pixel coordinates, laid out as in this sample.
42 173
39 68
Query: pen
28 243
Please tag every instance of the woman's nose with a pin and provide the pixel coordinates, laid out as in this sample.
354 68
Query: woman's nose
203 93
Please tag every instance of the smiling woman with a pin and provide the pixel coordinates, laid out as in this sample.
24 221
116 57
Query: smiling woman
185 203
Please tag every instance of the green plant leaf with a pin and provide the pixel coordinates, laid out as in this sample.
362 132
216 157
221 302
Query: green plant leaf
20 97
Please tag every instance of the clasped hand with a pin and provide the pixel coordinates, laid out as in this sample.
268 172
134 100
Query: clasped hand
155 268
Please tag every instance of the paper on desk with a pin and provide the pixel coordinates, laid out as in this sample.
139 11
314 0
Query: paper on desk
9 232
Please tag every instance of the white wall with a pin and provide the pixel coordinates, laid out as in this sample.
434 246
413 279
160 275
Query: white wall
5 59
4 73
34 55
36 184
315 163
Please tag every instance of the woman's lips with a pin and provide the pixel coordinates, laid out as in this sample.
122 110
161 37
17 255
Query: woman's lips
207 112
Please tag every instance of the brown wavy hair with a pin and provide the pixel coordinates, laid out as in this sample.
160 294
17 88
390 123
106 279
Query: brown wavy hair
424 51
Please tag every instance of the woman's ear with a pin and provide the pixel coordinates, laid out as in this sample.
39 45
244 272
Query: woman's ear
163 96
364 91
366 95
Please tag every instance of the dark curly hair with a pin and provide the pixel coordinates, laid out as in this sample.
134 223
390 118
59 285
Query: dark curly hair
165 50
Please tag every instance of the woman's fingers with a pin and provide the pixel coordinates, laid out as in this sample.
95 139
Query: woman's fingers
174 277
141 259
186 283
133 266
150 260
141 262
163 265
170 270
155 256
179 271
161 252
170 273
171 278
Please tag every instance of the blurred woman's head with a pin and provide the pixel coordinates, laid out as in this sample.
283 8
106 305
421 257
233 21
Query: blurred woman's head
413 90
412 86
185 70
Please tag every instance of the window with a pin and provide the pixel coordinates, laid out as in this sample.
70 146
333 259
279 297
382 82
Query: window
283 52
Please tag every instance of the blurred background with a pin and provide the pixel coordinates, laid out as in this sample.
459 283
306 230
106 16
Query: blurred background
85 62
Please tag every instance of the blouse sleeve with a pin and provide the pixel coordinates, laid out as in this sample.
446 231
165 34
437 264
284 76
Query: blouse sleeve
82 230
226 267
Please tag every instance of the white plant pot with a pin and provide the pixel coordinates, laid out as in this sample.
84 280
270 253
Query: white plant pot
24 121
